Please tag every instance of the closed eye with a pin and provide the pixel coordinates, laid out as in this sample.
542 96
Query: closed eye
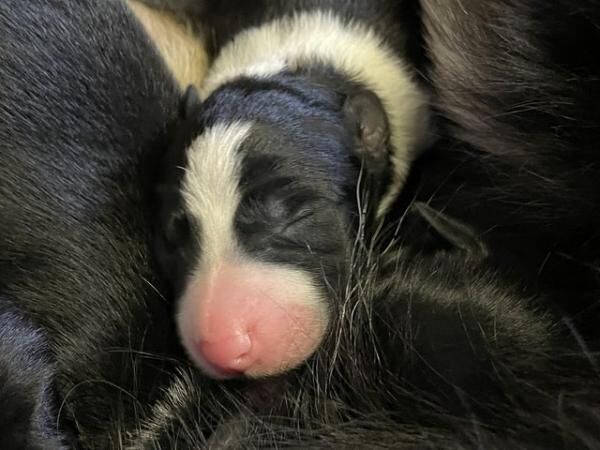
303 215
177 229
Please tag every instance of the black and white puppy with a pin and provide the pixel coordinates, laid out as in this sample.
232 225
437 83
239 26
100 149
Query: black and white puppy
432 349
258 198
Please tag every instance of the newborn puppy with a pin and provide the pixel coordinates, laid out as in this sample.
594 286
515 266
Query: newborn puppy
431 349
258 197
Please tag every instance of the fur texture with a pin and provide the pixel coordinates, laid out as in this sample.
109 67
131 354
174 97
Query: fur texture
351 49
432 347
27 414
181 45
516 93
433 350
85 101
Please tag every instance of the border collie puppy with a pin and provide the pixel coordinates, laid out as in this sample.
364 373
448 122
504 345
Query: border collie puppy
258 197
432 349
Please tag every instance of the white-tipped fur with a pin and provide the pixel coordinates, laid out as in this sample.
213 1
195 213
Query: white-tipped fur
211 188
351 48
182 50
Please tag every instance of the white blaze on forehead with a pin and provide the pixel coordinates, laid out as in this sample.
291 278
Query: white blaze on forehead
210 188
230 294
352 49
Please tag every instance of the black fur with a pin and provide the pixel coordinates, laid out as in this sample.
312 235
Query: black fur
84 102
516 93
298 185
516 90
434 349
429 351
27 415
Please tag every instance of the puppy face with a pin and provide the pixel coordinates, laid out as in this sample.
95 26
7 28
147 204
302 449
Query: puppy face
256 208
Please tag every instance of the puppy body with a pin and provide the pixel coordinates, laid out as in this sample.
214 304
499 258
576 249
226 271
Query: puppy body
260 186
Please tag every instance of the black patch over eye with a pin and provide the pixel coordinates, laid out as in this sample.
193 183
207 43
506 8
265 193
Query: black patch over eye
299 217
275 208
177 229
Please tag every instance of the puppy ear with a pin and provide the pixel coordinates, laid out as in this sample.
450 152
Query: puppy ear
366 118
189 101
459 235
365 115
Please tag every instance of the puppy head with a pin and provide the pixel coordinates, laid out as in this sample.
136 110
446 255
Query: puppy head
257 205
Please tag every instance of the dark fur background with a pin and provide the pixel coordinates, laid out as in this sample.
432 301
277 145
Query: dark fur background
435 347
516 90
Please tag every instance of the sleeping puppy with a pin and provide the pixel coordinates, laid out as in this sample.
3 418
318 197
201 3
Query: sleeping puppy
431 349
258 198
75 259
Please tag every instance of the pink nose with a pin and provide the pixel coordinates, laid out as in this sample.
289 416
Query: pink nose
230 356
252 319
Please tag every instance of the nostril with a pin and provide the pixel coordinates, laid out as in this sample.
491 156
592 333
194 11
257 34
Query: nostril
231 355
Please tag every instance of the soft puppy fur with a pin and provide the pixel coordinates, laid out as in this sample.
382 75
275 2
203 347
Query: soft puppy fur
85 101
436 346
432 350
262 182
516 92
28 414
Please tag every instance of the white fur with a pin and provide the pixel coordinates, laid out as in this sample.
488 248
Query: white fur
181 48
211 188
353 50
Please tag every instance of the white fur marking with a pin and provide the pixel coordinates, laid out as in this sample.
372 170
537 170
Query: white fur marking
353 50
211 188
